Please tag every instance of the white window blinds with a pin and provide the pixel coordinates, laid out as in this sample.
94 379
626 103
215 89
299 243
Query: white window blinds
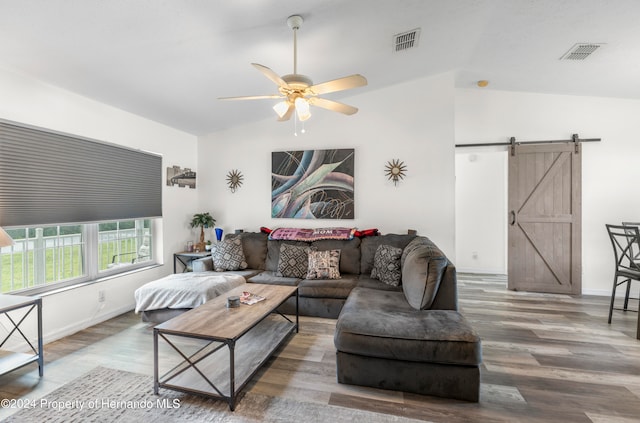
48 177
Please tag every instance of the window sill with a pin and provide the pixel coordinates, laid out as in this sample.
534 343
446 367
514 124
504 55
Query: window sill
43 292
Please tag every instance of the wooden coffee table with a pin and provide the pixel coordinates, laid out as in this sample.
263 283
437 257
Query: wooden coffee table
222 348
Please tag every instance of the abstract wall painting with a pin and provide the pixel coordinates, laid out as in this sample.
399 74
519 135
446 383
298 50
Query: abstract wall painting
312 184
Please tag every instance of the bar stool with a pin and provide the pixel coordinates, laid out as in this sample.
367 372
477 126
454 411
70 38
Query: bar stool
625 239
635 247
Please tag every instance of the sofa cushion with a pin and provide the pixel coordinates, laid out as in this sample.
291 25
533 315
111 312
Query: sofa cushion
202 265
228 255
206 265
328 288
254 245
369 245
324 264
273 253
381 324
421 276
293 262
421 242
366 281
349 253
386 264
270 278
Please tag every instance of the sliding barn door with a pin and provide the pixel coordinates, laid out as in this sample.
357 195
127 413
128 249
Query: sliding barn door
545 218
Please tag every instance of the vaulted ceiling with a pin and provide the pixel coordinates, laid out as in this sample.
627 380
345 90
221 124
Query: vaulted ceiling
169 60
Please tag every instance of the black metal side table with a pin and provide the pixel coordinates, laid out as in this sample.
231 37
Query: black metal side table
186 258
15 360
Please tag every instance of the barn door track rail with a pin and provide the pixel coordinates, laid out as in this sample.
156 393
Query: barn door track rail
512 143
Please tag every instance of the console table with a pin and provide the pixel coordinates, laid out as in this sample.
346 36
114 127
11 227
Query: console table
15 360
219 349
186 258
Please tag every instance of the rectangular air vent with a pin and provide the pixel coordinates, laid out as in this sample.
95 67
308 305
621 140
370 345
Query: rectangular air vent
581 51
406 40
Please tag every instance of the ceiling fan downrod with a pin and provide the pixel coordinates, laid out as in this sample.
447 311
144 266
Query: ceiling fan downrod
295 22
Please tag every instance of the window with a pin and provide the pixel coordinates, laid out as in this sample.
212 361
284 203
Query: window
51 257
122 243
79 209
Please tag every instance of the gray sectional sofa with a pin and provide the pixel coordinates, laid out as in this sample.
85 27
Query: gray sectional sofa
408 337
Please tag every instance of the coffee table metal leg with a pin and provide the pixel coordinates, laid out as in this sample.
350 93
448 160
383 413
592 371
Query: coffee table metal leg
297 314
155 361
40 346
232 376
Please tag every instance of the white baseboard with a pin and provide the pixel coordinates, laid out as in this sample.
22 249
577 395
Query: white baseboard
481 271
19 345
599 292
83 324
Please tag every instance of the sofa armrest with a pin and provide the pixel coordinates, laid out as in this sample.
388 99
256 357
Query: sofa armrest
202 265
421 277
418 255
447 296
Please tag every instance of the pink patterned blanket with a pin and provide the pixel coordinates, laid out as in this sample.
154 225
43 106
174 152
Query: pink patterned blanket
299 234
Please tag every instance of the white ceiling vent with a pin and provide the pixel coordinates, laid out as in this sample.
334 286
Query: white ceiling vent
581 51
406 40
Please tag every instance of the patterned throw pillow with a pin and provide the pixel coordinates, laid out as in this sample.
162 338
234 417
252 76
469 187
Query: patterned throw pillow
293 261
228 255
324 264
386 265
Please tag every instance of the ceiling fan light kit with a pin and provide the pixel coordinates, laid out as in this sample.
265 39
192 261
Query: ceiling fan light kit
302 109
297 92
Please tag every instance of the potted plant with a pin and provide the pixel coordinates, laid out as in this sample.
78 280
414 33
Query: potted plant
203 220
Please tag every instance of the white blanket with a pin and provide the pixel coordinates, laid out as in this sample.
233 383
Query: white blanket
184 290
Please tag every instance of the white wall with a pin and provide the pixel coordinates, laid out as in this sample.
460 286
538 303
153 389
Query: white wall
25 100
610 168
481 210
412 122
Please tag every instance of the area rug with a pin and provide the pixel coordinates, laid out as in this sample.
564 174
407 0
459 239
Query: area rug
109 395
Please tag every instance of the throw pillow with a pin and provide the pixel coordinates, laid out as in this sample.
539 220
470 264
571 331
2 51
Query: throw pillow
324 264
421 276
228 255
293 261
386 265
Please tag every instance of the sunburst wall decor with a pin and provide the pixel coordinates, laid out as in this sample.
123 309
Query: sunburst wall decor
395 170
234 179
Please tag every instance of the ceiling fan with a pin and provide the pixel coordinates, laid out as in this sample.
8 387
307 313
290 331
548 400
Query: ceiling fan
298 92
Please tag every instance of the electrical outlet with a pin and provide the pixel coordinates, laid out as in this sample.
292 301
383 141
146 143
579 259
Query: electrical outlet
474 255
101 296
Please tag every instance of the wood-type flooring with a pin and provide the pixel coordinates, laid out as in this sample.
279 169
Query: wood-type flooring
546 358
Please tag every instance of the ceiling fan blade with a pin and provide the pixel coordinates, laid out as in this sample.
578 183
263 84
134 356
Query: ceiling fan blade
288 113
252 97
332 105
346 83
271 75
